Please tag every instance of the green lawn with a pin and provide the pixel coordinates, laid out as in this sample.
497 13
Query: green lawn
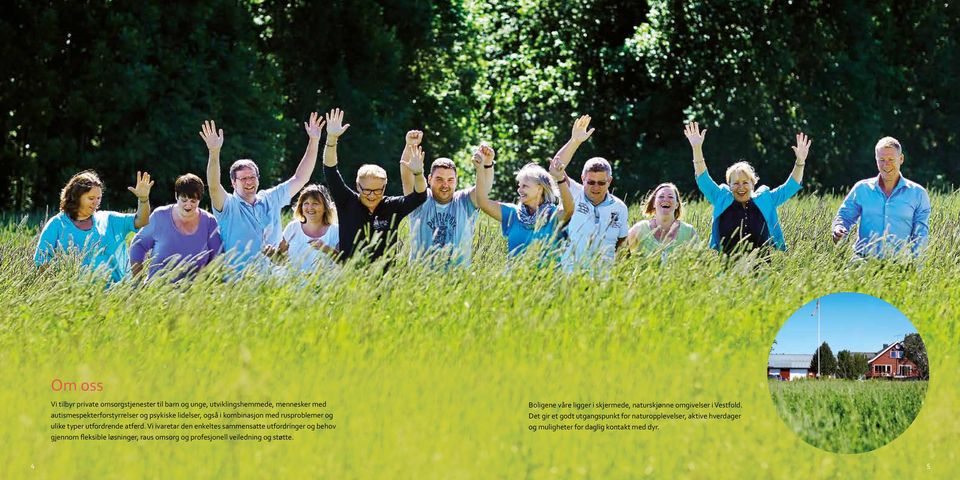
430 373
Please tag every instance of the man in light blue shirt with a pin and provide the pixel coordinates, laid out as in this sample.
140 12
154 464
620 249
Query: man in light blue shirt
443 226
893 212
249 218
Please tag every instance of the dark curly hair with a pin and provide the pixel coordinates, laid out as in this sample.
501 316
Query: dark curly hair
78 185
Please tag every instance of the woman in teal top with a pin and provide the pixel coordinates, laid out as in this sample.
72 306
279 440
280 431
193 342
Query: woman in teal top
663 230
99 237
536 216
744 216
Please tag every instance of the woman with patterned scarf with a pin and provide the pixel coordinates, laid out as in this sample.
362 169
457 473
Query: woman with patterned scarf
536 217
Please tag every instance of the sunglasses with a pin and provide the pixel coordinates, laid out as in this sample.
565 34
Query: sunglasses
596 182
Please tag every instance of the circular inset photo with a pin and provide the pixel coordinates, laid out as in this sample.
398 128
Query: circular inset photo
848 373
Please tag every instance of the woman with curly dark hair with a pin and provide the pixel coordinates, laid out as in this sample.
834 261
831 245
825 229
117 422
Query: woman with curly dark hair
99 237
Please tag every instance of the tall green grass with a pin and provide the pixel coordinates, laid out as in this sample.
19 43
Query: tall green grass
847 416
430 372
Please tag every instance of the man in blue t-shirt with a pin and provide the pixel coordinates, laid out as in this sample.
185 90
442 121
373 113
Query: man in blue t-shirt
249 218
443 226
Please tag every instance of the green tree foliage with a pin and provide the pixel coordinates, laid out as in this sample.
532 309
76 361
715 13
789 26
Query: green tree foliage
846 73
541 64
124 86
851 365
375 60
916 352
828 365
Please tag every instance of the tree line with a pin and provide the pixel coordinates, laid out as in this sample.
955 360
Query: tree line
123 86
853 365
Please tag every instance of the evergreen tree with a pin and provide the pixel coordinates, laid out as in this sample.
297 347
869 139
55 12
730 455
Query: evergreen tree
828 364
851 365
916 352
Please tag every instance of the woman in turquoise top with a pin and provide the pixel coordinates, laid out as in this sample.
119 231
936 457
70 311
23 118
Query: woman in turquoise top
742 215
664 229
536 216
99 237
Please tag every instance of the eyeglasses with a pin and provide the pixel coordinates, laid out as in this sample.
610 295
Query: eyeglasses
596 182
371 191
247 179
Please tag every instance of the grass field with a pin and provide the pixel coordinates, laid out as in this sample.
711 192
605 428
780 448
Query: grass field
847 416
430 373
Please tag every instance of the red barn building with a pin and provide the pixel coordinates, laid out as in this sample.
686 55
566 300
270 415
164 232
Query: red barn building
891 362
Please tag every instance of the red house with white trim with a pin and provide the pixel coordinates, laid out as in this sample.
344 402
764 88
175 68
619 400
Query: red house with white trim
891 362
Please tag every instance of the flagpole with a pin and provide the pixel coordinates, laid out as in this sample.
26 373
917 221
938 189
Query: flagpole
819 345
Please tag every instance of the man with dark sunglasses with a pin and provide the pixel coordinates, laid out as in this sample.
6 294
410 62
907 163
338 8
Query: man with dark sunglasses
599 223
368 219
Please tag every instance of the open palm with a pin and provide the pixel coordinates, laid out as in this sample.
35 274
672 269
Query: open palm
693 134
580 133
211 136
314 126
335 126
143 186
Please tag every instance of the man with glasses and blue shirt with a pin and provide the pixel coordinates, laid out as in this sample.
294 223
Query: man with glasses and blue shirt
368 220
249 218
599 224
894 213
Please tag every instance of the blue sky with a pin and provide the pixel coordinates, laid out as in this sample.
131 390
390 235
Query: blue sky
848 321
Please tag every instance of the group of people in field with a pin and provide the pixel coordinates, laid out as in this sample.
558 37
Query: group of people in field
579 225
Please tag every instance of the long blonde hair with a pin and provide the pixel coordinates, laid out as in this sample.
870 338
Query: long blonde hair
539 176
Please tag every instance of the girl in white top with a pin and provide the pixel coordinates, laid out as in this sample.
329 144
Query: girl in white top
312 238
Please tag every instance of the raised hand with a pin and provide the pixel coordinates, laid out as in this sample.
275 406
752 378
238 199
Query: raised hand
580 133
557 168
414 137
414 160
802 148
211 136
314 127
484 155
335 126
693 134
143 186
